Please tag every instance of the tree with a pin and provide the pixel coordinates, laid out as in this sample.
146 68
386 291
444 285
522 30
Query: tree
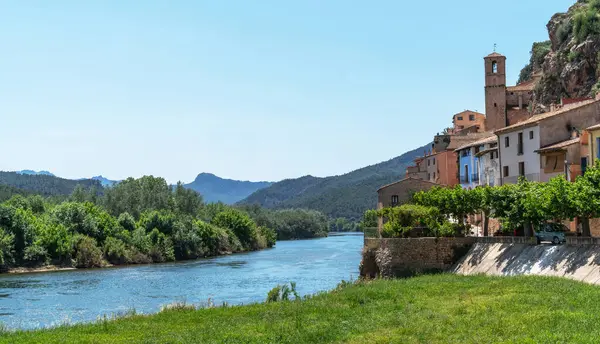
586 198
187 201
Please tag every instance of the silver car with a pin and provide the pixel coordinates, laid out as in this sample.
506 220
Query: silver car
553 232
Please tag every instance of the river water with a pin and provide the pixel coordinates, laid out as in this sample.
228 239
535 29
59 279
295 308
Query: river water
37 300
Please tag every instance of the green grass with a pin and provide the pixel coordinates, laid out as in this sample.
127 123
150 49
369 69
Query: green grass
428 309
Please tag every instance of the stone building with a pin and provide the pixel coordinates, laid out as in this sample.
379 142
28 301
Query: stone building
549 144
400 192
505 106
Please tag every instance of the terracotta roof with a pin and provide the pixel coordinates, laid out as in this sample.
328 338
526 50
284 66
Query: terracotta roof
558 146
404 180
524 86
484 152
490 139
538 118
593 127
468 111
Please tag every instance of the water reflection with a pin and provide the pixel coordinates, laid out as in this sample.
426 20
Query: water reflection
47 299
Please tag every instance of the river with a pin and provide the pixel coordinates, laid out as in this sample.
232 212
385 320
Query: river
29 301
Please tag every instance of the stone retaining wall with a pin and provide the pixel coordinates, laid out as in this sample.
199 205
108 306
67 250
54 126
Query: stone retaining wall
406 257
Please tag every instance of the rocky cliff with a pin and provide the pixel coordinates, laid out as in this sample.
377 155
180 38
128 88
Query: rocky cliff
569 61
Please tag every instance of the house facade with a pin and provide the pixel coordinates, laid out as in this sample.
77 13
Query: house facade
469 161
547 145
400 192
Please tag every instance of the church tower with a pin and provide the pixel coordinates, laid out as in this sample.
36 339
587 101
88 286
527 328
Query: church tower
495 91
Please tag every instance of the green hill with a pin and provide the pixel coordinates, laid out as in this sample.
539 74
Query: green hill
45 185
347 195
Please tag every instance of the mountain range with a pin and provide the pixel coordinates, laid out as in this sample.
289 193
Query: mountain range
347 195
228 191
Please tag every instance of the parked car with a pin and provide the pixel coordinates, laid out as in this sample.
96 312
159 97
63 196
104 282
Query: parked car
554 232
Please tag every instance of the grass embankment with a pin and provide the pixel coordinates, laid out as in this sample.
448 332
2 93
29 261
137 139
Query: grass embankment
428 309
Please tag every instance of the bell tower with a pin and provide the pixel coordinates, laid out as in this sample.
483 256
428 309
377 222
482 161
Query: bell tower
495 91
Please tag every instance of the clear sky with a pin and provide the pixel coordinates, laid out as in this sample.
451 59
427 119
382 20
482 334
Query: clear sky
252 90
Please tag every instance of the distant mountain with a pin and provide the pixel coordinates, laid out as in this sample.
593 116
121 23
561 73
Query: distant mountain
44 184
105 181
347 196
228 191
36 173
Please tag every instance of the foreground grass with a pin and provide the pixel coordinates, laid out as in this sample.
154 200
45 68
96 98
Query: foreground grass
428 309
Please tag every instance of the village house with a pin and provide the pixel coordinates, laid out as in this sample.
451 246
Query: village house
469 165
468 121
400 192
547 145
489 165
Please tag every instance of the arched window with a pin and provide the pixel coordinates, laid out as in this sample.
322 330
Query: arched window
494 67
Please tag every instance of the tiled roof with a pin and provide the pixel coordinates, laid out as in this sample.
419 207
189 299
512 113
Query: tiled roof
593 127
541 117
559 145
490 139
524 86
484 152
469 111
405 180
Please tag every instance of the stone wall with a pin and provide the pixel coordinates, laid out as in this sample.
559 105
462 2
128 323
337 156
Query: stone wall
406 257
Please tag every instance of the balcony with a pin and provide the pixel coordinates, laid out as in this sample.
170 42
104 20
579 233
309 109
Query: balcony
475 178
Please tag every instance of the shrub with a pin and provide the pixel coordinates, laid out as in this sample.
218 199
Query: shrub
6 247
162 247
400 220
35 254
116 252
268 234
88 254
239 223
187 242
57 240
283 293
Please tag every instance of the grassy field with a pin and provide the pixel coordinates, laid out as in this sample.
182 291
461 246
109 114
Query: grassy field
428 309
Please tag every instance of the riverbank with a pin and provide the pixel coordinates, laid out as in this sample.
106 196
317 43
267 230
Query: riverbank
432 309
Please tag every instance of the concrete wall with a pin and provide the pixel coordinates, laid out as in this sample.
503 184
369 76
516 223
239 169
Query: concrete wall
556 129
579 259
509 155
416 255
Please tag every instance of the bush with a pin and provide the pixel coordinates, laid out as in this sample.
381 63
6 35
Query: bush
283 293
162 247
268 234
88 254
35 255
239 223
126 221
400 220
116 252
187 241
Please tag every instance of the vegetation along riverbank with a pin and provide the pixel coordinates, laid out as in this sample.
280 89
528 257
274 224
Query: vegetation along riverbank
137 221
427 309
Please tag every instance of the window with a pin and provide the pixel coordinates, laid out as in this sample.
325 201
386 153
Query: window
395 200
583 165
466 177
506 171
531 134
492 155
433 161
459 118
494 67
553 163
428 176
433 175
495 105
520 144
428 162
507 142
471 117
522 169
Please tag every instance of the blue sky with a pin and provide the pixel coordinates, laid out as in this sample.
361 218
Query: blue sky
252 90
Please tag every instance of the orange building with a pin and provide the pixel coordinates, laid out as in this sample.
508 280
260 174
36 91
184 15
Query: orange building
468 120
